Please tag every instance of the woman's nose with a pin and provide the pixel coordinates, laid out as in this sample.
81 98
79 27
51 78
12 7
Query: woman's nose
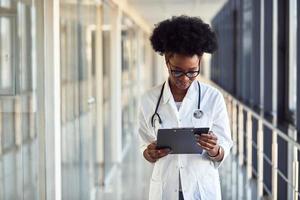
184 78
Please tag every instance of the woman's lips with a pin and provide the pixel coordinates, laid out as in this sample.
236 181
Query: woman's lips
183 85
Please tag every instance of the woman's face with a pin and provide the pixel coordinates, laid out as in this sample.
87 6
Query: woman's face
177 64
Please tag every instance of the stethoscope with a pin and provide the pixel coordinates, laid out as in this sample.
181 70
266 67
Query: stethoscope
197 113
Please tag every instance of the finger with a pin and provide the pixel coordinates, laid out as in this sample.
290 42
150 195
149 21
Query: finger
199 134
163 153
203 147
211 141
165 150
209 137
153 154
213 135
207 145
205 136
152 146
159 153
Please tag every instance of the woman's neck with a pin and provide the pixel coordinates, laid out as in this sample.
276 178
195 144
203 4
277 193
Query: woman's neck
178 94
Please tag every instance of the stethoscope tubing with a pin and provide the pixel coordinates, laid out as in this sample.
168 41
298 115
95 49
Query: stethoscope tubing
197 114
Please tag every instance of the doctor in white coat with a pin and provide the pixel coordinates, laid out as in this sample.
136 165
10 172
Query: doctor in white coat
182 101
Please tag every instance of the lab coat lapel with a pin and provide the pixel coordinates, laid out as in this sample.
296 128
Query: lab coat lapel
169 100
188 103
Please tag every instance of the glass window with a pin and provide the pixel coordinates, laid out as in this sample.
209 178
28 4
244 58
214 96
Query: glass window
26 18
247 50
292 58
127 58
106 37
7 55
77 29
19 147
131 44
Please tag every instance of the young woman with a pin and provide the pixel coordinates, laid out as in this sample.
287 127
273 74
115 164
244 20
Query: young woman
182 101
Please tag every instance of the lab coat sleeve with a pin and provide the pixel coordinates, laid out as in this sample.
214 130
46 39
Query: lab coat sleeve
144 132
221 127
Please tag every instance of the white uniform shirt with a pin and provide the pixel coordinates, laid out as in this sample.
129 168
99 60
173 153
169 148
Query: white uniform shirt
199 175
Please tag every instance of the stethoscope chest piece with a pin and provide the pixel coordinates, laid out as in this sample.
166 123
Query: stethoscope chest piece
198 114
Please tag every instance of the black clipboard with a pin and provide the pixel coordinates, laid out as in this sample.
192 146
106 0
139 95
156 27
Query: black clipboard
180 140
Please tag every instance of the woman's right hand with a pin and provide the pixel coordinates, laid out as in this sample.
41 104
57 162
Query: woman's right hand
152 154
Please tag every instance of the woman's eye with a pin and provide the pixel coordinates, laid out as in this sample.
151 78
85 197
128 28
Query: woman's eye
192 73
178 73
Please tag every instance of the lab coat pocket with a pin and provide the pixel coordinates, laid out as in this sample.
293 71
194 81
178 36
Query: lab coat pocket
155 191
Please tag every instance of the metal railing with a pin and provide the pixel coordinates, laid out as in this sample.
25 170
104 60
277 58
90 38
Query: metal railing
236 111
242 130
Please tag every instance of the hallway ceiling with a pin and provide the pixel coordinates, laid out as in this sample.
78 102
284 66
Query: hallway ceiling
155 11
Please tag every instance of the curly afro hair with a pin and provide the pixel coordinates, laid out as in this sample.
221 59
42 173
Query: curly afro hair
183 35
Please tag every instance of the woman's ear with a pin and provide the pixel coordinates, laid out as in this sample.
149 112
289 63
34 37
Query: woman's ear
166 59
200 59
200 56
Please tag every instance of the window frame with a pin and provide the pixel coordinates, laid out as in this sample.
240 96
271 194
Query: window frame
12 16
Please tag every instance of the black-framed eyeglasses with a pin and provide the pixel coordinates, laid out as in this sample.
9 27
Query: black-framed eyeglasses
179 73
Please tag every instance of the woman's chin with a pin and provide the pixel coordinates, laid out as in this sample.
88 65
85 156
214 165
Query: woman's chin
183 86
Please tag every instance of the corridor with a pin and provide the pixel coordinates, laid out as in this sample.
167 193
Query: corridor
74 116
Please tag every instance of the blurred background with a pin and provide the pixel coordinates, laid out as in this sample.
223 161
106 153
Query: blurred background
72 73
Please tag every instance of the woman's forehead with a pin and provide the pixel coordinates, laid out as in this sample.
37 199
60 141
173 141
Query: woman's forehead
184 61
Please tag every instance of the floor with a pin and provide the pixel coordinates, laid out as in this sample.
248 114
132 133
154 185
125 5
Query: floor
234 183
130 180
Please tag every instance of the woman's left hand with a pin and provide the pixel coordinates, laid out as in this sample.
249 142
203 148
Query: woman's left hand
208 142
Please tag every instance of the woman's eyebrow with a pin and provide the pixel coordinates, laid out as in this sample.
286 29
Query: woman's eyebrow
191 69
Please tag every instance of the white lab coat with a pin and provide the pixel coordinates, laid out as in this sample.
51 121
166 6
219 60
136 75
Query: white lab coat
199 175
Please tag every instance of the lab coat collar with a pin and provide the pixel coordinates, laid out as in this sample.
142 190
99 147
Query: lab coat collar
167 95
